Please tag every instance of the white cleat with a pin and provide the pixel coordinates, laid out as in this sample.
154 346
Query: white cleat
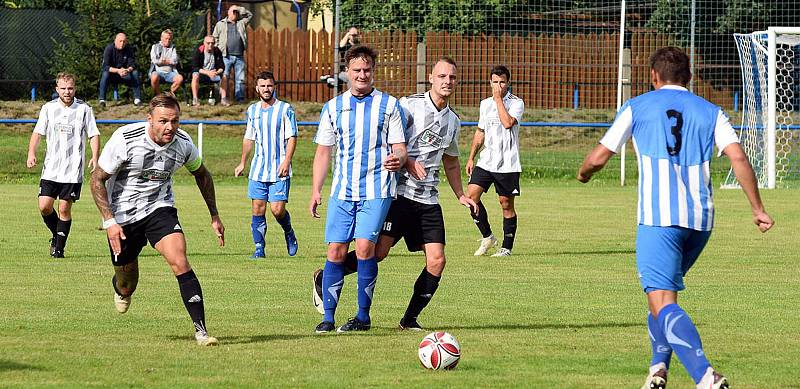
713 380
316 295
121 303
656 380
486 243
204 340
502 252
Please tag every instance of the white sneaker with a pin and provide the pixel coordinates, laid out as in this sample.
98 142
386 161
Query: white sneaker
502 252
121 303
486 243
204 340
657 378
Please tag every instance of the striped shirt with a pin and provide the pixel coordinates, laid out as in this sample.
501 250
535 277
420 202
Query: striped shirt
501 145
65 129
674 133
431 133
363 130
141 170
269 129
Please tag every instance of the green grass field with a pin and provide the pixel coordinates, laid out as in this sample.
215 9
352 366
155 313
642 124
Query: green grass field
564 312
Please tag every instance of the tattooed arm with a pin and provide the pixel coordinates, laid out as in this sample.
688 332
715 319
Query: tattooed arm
100 195
206 185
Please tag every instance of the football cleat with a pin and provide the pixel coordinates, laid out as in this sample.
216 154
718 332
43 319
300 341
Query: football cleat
259 253
291 243
354 325
325 326
502 252
656 380
204 340
121 303
720 382
56 253
316 292
410 325
713 380
486 243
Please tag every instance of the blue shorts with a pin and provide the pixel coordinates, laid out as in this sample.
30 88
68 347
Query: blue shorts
269 191
665 254
348 220
167 76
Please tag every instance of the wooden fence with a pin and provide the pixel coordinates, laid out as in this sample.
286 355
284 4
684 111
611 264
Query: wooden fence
547 71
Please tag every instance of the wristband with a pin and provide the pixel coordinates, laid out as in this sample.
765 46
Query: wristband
108 223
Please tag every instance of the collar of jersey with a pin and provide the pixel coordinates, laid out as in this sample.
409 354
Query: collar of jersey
674 87
433 105
362 97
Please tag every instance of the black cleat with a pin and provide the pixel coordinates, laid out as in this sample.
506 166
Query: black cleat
324 327
57 253
355 325
410 325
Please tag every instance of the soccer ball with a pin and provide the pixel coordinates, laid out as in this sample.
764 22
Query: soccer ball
439 350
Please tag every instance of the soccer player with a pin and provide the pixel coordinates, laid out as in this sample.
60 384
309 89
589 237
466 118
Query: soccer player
674 132
272 127
432 133
366 126
133 191
65 123
498 130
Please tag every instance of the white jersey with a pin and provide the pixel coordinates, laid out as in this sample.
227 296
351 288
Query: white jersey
431 133
141 170
269 129
363 130
65 129
501 145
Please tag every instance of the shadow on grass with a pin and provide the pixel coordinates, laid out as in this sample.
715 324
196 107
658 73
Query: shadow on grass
230 340
542 326
10 365
588 252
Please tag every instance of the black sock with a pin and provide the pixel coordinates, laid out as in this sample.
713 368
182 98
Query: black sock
285 222
62 232
509 231
424 289
350 263
192 297
51 221
482 220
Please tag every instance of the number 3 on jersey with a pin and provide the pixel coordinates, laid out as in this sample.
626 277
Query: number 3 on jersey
676 131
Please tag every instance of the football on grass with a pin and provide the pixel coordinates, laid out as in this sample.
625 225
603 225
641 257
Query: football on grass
439 350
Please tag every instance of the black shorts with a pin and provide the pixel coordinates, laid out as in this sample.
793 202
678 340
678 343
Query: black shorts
162 222
60 190
505 184
415 222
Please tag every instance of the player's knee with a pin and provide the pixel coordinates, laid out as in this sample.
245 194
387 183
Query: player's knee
278 209
65 210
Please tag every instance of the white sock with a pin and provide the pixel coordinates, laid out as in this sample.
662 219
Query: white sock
708 379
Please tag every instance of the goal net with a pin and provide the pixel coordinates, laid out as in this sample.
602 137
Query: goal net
771 97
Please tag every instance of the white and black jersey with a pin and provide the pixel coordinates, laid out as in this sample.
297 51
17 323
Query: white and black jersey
141 170
501 145
65 129
431 133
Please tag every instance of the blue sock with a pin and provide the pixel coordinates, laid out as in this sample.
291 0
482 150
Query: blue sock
259 227
367 275
332 282
662 351
682 335
285 222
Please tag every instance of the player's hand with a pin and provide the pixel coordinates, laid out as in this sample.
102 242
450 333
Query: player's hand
219 229
467 202
316 200
392 163
31 161
496 91
238 170
415 168
115 238
92 165
763 221
469 166
283 169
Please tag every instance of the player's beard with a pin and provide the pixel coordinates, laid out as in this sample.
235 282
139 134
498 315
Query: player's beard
65 102
268 99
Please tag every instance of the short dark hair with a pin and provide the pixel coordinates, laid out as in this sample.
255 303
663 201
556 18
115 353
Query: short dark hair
447 59
164 100
265 75
500 70
364 52
672 65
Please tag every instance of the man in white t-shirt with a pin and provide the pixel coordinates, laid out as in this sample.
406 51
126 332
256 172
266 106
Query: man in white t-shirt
498 131
66 123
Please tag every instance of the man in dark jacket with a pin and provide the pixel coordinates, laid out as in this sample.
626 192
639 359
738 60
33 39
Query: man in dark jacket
207 66
119 66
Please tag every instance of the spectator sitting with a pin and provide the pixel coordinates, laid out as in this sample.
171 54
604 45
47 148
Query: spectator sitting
119 66
164 63
207 66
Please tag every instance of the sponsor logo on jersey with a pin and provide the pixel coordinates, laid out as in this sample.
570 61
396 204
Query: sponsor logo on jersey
154 175
430 138
64 128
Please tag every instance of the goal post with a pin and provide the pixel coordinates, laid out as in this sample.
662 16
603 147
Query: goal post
771 87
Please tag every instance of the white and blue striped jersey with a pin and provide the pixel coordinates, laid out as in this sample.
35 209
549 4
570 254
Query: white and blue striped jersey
269 129
674 132
362 130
